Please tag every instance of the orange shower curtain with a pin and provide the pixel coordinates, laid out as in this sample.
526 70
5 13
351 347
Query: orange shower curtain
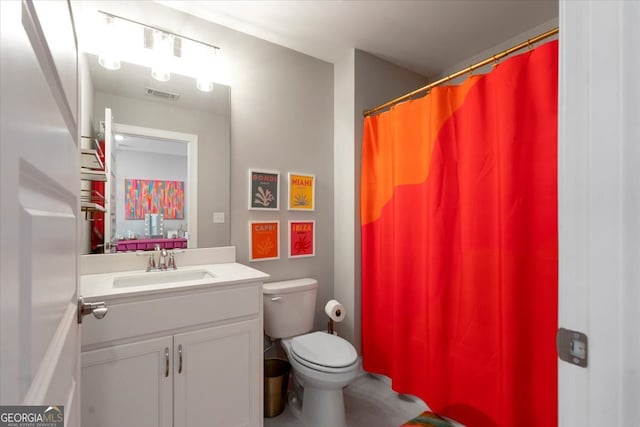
459 245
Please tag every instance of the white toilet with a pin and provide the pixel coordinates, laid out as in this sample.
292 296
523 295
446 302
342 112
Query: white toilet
323 364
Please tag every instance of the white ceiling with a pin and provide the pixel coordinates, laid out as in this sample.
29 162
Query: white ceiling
151 145
426 36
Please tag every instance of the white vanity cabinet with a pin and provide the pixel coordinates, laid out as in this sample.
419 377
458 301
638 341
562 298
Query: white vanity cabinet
218 382
182 358
128 385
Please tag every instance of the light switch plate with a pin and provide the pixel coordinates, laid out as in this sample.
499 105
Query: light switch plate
573 347
218 217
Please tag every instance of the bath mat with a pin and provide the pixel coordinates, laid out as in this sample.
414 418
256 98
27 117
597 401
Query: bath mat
428 419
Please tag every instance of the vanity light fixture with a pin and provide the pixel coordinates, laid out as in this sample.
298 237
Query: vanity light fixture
161 50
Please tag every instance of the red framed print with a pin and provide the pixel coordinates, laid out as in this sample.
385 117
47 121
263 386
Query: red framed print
302 238
302 192
264 190
264 240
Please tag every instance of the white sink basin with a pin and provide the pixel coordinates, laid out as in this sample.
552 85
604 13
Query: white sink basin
161 277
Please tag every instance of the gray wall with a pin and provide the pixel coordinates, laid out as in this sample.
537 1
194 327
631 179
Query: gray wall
213 153
345 194
282 119
364 81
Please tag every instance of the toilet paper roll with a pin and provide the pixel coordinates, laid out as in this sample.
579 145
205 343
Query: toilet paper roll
334 310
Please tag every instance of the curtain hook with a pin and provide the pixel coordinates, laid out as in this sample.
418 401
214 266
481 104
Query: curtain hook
529 45
470 70
495 61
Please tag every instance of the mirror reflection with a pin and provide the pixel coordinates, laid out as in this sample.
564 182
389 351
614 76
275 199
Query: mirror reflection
151 176
171 137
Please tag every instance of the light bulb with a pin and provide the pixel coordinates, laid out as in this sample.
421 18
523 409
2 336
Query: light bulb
204 84
204 62
163 54
109 62
109 57
160 74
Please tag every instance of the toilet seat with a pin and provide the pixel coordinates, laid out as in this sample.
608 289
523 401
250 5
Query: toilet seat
324 352
324 369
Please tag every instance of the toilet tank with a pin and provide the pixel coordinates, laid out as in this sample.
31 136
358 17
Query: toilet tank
289 307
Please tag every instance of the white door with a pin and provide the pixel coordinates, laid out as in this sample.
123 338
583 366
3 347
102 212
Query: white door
110 185
599 210
39 186
128 385
217 376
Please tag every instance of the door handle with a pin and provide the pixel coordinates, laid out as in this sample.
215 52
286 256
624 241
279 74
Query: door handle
166 362
180 359
98 309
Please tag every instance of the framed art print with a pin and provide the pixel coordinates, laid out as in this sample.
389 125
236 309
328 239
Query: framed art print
152 196
302 238
264 194
264 240
302 191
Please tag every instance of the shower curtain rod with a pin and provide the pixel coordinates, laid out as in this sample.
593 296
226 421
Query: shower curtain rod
469 69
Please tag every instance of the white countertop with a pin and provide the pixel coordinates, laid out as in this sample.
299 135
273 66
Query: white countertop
100 286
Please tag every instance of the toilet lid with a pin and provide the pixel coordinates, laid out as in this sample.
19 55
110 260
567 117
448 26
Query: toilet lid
324 349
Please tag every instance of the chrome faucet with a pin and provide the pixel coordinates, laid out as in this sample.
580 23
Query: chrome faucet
162 259
166 259
151 261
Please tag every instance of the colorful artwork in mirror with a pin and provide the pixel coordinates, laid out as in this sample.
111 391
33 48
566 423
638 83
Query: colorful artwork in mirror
142 196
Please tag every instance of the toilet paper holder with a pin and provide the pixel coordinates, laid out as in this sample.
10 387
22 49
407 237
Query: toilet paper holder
330 326
335 311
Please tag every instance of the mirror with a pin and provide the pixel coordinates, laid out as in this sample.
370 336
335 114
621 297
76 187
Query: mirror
150 177
153 227
149 114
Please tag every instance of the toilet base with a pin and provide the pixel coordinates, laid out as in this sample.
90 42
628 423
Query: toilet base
322 408
321 403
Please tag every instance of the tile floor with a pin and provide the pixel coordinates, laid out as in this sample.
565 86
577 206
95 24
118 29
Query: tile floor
369 401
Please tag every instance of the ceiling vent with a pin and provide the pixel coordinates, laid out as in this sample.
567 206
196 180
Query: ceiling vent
161 94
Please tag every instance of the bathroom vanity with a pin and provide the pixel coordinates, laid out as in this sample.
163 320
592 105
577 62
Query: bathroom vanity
177 348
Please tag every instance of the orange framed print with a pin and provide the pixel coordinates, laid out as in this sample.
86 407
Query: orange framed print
302 238
264 240
264 193
302 191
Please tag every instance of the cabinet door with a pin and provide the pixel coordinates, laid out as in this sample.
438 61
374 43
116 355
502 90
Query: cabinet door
128 385
220 383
